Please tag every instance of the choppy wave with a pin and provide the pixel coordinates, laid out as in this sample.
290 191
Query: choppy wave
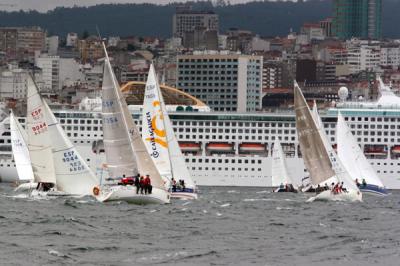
240 226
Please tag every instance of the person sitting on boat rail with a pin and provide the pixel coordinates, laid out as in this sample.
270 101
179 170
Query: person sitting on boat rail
182 183
326 187
342 188
357 183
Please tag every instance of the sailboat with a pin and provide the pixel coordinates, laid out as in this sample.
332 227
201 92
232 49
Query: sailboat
318 155
21 155
354 161
126 154
161 143
280 174
55 162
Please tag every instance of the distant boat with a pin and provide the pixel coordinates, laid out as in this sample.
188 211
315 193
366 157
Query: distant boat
161 143
319 156
56 164
126 154
354 160
21 154
280 174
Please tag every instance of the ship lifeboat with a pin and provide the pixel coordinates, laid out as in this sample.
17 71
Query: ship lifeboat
374 151
396 149
220 147
253 147
189 146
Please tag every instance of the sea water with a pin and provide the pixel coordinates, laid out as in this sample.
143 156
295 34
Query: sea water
225 226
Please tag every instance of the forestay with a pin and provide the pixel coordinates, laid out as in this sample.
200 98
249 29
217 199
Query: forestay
39 139
20 150
352 157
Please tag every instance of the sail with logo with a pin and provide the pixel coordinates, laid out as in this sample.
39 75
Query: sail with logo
161 142
126 154
319 157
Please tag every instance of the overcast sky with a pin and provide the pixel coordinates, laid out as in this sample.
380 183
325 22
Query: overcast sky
45 5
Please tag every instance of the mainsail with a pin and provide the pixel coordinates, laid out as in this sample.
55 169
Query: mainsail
315 156
39 139
319 156
280 173
20 150
126 153
73 175
352 157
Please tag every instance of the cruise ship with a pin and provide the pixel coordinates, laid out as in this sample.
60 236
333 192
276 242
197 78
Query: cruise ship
234 149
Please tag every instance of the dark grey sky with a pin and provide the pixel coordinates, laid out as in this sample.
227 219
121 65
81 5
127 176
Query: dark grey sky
45 5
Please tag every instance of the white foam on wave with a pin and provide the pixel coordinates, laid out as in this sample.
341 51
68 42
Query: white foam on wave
263 192
225 205
186 203
251 200
233 191
54 252
218 214
205 211
283 208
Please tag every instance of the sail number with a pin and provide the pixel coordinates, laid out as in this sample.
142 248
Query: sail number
39 128
108 104
37 114
73 161
110 120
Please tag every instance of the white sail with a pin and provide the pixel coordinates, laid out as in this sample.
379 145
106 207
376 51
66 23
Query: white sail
124 147
154 132
352 157
319 157
280 174
73 175
39 139
20 150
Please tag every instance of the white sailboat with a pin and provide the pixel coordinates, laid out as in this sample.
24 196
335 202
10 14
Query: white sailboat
54 160
21 155
354 160
280 174
39 138
126 153
318 155
161 142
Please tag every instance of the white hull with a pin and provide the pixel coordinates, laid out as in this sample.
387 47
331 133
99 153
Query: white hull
327 195
46 194
26 187
128 194
184 195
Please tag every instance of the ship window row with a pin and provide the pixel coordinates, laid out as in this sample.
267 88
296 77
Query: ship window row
234 130
372 119
235 124
226 160
234 137
81 128
226 169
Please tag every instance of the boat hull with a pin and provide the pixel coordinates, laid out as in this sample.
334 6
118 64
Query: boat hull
373 190
128 194
26 187
327 195
279 190
184 195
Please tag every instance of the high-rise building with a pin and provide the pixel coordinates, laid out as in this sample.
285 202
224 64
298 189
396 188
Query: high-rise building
225 82
357 18
22 42
188 20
